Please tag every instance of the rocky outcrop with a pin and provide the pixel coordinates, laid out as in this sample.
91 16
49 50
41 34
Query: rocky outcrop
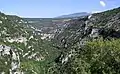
11 59
104 25
21 48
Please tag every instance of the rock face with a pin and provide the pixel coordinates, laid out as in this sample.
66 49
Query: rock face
21 48
94 33
104 25
12 58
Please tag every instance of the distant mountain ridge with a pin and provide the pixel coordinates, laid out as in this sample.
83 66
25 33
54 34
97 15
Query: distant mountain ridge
74 15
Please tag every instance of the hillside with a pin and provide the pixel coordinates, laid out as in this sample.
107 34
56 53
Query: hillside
21 48
87 44
104 24
84 45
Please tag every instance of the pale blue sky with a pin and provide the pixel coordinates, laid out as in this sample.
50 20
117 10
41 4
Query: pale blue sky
53 8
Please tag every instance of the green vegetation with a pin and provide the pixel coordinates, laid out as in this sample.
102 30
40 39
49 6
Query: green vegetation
72 51
35 47
105 17
96 57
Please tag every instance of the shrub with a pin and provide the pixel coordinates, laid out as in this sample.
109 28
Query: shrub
96 57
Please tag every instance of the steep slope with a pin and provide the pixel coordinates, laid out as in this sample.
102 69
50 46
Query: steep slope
105 24
21 48
72 41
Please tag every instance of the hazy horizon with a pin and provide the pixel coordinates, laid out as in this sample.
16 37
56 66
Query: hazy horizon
53 8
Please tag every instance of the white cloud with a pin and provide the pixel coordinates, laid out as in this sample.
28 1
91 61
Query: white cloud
102 3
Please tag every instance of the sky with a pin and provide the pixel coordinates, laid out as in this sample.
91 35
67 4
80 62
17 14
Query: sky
54 8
